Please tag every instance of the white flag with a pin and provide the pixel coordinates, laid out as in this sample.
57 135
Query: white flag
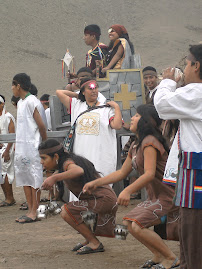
67 58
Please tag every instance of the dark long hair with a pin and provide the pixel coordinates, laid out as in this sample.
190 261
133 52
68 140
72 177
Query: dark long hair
173 127
126 36
149 124
82 88
89 170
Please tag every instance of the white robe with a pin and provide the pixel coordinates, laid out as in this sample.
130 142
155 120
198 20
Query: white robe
48 118
95 139
28 169
7 168
185 104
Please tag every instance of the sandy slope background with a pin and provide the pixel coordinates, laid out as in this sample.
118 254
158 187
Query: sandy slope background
34 34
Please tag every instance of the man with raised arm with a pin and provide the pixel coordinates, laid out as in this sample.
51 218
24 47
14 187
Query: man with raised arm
185 104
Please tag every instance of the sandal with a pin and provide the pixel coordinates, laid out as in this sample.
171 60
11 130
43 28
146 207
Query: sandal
173 265
26 219
88 250
77 247
24 207
22 217
148 264
4 203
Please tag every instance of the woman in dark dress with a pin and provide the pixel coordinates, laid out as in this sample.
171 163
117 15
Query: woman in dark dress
75 171
149 157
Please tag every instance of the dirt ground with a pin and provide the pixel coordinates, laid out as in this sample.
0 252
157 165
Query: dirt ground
47 243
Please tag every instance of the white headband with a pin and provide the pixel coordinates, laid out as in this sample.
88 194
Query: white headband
1 100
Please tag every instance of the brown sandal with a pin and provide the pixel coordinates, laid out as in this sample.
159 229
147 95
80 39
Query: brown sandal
77 247
148 264
89 250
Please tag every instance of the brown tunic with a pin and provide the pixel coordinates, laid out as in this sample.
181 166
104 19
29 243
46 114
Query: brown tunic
102 202
160 196
149 100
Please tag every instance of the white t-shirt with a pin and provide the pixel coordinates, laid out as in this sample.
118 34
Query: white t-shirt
94 138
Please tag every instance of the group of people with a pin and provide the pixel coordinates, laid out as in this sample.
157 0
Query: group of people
180 108
117 55
8 150
89 169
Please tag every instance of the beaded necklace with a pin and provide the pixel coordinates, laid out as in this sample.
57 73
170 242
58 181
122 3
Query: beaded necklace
94 105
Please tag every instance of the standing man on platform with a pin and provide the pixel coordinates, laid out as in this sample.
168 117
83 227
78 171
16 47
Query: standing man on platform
91 37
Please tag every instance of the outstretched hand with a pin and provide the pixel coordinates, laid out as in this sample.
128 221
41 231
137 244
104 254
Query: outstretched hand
89 187
124 198
48 183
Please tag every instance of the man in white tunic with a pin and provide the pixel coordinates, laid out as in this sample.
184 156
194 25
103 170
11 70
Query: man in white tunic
185 104
30 131
34 91
45 103
7 125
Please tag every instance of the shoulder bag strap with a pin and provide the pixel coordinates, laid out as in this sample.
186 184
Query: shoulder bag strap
88 110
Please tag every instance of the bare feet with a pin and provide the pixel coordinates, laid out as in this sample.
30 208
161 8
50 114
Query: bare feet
157 258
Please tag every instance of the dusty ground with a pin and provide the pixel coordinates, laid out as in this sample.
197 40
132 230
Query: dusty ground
46 244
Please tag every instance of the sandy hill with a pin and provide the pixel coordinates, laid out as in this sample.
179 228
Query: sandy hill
35 34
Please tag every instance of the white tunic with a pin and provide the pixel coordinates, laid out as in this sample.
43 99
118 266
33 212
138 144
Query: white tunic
48 118
28 170
185 104
94 138
43 115
6 167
